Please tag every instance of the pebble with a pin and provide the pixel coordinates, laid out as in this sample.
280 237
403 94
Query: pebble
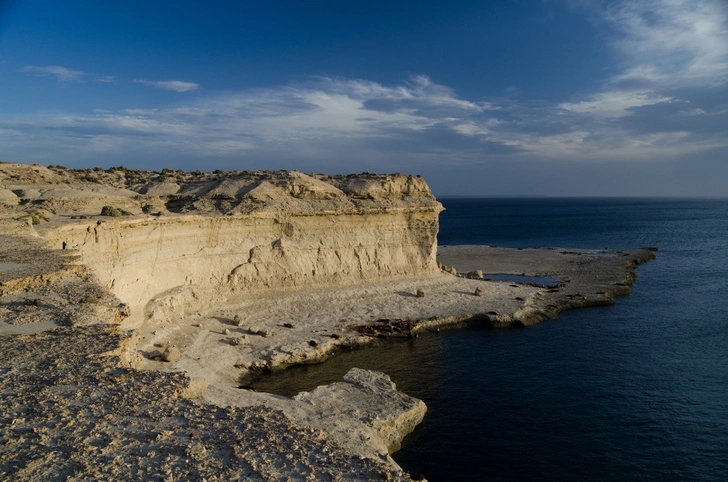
171 354
477 274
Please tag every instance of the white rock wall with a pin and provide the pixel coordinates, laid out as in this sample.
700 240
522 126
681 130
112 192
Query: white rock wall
162 265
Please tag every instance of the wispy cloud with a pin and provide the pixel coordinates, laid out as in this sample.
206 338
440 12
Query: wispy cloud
174 85
671 42
334 121
105 79
660 46
63 74
613 104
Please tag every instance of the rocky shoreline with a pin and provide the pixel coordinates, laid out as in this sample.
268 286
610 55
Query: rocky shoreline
128 338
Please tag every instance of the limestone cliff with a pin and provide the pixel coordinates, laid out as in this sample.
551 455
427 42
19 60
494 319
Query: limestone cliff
181 240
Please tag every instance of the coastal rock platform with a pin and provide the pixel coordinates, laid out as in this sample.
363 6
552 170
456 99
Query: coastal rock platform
129 337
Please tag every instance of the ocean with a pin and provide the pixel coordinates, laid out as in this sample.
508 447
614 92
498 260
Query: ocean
633 391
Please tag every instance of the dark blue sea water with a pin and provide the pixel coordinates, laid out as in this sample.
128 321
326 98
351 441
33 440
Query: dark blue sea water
635 391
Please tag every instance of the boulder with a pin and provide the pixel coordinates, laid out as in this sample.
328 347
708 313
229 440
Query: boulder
171 354
477 274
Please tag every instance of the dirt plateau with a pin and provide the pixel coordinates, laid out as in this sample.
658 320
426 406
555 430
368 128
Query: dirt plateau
135 307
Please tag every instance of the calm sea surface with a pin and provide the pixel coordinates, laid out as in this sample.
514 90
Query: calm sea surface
635 391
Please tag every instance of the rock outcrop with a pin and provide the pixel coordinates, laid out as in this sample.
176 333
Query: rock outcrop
185 239
369 397
89 248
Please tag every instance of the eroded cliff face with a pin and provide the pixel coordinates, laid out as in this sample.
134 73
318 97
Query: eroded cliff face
186 240
196 260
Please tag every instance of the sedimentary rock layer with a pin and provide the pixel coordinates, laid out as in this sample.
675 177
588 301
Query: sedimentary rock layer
197 260
190 239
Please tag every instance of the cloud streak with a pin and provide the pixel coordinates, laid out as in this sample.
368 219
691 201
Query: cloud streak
174 85
334 120
62 74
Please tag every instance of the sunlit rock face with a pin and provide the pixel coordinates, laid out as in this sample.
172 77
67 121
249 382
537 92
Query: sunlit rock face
185 240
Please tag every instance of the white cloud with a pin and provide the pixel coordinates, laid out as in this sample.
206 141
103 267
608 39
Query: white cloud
330 121
175 85
63 74
614 104
671 41
661 46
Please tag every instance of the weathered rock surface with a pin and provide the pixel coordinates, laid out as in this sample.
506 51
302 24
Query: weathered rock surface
71 411
193 238
586 277
369 397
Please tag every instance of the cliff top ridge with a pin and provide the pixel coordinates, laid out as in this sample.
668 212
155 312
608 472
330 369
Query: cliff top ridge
60 190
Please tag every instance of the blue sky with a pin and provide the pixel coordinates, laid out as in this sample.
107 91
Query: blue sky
519 97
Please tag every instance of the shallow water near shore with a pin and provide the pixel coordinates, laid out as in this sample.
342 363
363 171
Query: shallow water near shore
544 281
634 391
